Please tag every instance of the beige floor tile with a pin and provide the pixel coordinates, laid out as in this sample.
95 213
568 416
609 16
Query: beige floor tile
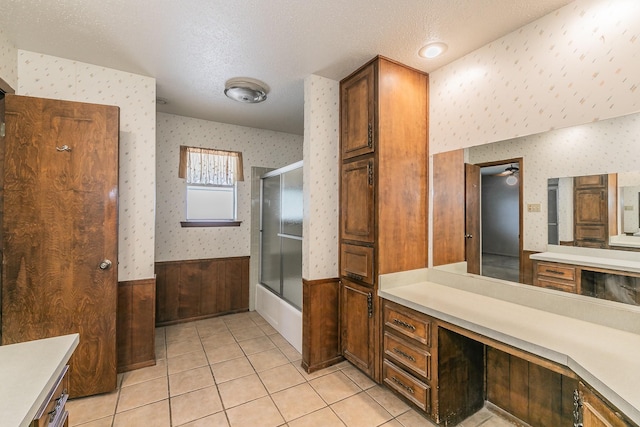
186 381
103 422
161 352
194 405
356 375
142 394
182 347
212 321
257 318
256 345
231 369
156 414
291 353
361 411
267 329
241 390
261 412
187 361
279 340
182 332
389 401
218 339
92 408
335 386
392 423
145 374
237 323
248 333
412 418
215 420
322 418
268 359
297 401
281 377
206 331
316 374
223 352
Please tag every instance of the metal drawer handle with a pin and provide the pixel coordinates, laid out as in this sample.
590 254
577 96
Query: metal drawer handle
404 324
63 148
403 385
555 272
354 276
403 354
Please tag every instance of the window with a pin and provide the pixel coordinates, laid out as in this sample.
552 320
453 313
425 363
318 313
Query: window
211 186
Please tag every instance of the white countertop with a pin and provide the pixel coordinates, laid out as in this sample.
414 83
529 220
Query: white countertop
600 258
604 357
28 371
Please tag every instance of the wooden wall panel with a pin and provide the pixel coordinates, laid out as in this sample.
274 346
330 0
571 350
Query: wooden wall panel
320 318
526 267
196 289
136 324
448 208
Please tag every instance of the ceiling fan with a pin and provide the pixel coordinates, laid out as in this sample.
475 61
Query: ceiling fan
510 170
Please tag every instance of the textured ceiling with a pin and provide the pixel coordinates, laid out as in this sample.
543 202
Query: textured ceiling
192 47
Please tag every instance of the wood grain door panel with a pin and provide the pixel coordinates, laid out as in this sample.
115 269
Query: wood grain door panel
357 201
357 326
60 223
357 114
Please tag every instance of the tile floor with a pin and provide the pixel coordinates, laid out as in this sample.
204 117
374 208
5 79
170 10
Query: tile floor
237 370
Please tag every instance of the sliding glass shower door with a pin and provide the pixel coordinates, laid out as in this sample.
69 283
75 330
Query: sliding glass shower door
281 233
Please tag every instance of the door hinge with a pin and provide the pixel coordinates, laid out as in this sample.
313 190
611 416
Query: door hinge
370 171
370 304
370 136
577 409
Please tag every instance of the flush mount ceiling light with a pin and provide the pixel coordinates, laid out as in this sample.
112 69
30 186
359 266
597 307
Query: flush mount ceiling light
245 90
432 50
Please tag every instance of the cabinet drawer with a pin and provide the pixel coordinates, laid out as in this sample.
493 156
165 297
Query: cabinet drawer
407 385
414 358
53 412
356 262
558 285
409 325
557 271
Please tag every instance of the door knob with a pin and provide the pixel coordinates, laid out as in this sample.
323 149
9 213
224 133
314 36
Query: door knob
468 236
105 264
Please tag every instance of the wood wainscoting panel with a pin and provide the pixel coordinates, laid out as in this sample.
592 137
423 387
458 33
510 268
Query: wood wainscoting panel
196 289
136 324
320 318
448 208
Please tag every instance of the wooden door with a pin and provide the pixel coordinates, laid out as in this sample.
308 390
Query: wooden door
472 218
60 232
357 114
356 201
357 325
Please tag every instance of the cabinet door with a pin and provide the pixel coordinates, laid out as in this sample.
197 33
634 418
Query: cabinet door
357 113
597 413
356 201
357 325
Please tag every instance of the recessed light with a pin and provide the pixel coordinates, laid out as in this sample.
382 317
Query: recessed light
245 90
432 50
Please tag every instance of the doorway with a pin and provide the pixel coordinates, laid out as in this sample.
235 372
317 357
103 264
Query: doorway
499 228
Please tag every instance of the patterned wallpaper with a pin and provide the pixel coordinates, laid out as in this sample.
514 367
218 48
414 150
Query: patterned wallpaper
51 77
605 146
8 61
573 66
259 148
321 154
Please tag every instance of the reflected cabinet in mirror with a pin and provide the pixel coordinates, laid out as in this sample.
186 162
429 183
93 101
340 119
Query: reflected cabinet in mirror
581 190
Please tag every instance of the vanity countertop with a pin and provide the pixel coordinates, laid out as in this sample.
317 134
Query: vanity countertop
589 257
604 357
28 371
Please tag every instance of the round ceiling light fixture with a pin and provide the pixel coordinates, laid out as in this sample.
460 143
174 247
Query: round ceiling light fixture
432 50
245 90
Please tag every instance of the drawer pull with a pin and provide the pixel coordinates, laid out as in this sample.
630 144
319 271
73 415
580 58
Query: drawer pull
403 354
404 324
555 272
354 276
403 385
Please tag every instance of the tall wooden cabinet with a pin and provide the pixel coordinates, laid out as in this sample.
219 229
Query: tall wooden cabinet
594 210
383 195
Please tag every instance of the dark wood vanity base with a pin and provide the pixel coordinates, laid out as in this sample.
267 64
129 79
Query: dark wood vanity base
450 373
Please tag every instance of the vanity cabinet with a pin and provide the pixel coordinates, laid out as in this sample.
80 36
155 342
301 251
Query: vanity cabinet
556 276
383 195
594 411
53 411
436 369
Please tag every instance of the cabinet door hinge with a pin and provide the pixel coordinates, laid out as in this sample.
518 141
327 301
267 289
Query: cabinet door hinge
370 171
577 409
370 136
370 304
